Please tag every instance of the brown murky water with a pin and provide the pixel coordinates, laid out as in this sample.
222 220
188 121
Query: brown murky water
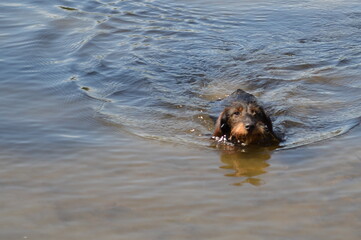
106 112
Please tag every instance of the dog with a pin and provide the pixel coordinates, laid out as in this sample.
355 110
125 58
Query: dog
244 122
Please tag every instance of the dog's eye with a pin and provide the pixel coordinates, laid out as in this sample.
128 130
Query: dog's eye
254 113
236 113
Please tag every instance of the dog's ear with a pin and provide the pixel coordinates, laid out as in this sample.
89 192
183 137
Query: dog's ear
266 120
222 127
269 125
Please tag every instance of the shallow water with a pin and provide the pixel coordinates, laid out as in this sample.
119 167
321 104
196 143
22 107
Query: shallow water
106 113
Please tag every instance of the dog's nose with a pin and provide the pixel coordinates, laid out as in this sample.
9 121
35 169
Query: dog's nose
249 127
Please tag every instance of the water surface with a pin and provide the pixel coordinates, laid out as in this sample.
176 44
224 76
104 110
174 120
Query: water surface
106 113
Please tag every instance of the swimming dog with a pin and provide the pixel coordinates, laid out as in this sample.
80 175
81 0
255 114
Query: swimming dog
243 121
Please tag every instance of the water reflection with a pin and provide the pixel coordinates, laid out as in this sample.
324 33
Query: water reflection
249 163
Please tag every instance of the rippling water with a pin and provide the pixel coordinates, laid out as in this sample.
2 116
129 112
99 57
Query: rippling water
106 113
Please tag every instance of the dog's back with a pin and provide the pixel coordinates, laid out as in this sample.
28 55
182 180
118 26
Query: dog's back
240 96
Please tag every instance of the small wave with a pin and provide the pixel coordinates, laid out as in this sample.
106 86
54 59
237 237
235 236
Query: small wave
310 138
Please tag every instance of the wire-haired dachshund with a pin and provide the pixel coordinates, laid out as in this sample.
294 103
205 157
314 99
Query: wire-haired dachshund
243 121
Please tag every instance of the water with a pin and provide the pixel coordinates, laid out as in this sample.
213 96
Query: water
106 113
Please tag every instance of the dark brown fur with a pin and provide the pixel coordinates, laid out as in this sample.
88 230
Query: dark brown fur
244 122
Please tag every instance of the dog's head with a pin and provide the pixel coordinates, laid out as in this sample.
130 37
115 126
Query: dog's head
245 123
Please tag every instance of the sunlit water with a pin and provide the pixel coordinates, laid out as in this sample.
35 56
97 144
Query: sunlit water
107 108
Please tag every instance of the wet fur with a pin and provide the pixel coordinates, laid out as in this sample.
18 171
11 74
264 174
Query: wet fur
244 122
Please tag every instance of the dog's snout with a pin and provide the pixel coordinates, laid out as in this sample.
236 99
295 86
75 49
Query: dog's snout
249 127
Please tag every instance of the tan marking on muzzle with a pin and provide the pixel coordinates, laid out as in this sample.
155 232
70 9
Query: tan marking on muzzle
239 131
